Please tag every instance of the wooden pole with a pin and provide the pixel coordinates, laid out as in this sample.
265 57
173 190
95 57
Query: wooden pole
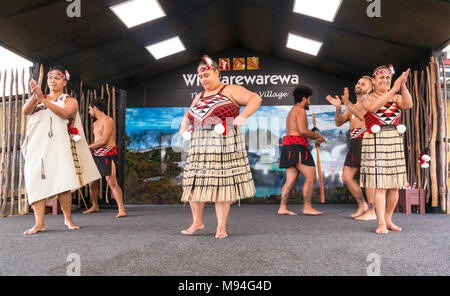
109 100
8 149
41 76
445 98
433 175
319 167
417 128
21 201
2 160
442 119
14 155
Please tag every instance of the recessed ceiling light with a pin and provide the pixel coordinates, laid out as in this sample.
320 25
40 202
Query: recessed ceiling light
322 9
136 12
303 44
166 47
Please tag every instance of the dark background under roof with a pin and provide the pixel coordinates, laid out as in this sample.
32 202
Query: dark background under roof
98 48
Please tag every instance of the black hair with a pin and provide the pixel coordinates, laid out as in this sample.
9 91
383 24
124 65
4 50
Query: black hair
300 92
99 103
58 68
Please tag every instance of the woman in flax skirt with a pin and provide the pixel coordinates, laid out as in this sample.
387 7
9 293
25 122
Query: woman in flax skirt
383 169
56 154
217 168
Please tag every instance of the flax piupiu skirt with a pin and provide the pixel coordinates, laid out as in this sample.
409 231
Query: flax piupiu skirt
383 159
217 167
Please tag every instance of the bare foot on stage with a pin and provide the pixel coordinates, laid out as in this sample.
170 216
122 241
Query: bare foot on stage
71 225
359 212
91 210
381 229
311 212
191 230
121 215
369 215
286 212
221 233
35 229
393 227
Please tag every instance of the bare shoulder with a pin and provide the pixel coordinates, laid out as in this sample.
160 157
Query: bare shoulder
108 120
70 100
299 111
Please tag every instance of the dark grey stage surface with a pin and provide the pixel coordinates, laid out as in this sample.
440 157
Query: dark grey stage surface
260 242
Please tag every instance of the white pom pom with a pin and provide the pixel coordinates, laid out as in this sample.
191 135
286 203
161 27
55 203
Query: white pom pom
76 138
425 165
401 128
219 128
426 157
186 136
375 128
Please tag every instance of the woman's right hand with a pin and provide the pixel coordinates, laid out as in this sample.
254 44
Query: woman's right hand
184 125
36 91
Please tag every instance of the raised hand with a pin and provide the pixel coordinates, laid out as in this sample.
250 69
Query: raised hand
345 96
334 101
36 91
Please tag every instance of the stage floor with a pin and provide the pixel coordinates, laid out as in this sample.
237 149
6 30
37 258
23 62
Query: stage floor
260 242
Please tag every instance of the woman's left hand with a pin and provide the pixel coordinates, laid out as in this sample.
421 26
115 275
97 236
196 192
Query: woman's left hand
239 120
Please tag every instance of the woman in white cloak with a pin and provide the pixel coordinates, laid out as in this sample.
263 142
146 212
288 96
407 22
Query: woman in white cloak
56 154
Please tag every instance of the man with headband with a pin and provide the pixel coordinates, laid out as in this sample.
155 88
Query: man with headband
355 115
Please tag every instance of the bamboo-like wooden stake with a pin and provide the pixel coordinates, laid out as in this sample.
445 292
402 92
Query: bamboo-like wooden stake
427 122
109 100
85 126
2 160
445 98
442 160
417 128
319 166
8 149
21 203
41 76
14 155
433 175
27 206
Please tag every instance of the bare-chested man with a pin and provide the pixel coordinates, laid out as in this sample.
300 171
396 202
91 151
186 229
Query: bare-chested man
105 156
352 162
295 154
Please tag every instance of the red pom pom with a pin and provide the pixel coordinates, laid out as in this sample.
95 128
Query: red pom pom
74 131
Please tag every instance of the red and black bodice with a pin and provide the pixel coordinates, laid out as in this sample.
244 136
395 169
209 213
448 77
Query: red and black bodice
212 110
389 114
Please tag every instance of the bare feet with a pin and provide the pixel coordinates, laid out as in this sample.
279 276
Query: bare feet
121 215
311 212
91 210
392 226
369 215
71 225
359 211
381 229
35 229
221 233
191 230
286 212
